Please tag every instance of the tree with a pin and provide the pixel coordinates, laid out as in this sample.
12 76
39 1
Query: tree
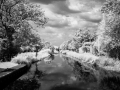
85 35
64 45
15 29
47 45
108 39
81 36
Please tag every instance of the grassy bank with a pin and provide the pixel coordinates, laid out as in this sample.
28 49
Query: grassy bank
26 58
92 60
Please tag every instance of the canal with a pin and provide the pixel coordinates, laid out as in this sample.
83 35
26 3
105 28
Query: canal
63 73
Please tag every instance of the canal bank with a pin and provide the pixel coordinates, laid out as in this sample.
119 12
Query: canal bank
64 73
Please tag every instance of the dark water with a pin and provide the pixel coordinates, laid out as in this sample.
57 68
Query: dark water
65 74
61 74
58 72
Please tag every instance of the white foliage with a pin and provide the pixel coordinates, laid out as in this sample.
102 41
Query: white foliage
6 65
83 57
24 58
30 57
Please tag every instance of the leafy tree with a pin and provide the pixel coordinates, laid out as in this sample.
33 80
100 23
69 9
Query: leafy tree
47 45
81 36
64 45
73 45
109 29
85 35
15 28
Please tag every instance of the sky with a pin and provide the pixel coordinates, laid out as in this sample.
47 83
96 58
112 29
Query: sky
67 16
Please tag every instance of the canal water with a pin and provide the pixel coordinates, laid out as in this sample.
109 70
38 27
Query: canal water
61 75
64 73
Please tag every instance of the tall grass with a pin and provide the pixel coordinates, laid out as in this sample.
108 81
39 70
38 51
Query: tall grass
30 57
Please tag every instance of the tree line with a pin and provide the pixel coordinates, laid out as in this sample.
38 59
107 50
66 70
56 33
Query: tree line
106 39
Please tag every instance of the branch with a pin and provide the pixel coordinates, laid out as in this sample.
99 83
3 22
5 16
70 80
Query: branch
10 8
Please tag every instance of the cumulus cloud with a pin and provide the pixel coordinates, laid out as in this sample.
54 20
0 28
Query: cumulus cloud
79 5
62 8
60 36
93 16
102 1
49 32
57 24
66 16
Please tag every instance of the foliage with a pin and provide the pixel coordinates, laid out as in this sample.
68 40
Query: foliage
64 45
85 35
81 36
109 29
15 27
47 45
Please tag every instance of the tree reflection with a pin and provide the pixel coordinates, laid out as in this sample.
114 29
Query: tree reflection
105 80
66 87
25 84
109 80
28 81
37 72
49 59
81 72
110 83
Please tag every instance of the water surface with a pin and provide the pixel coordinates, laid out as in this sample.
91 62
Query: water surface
63 73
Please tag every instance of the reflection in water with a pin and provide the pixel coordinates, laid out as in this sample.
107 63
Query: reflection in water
109 80
24 84
63 73
83 73
106 80
66 87
110 83
49 59
57 73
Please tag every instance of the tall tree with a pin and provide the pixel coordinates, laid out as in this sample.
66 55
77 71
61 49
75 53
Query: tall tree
81 36
109 29
15 28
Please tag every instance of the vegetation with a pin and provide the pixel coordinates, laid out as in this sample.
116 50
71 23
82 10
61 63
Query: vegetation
15 27
29 81
47 45
106 43
108 39
16 32
81 36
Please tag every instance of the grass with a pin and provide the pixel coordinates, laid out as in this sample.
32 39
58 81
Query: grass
24 58
90 59
109 64
30 57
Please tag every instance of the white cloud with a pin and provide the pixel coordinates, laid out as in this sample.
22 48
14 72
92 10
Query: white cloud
75 5
67 16
71 35
72 21
60 35
93 15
